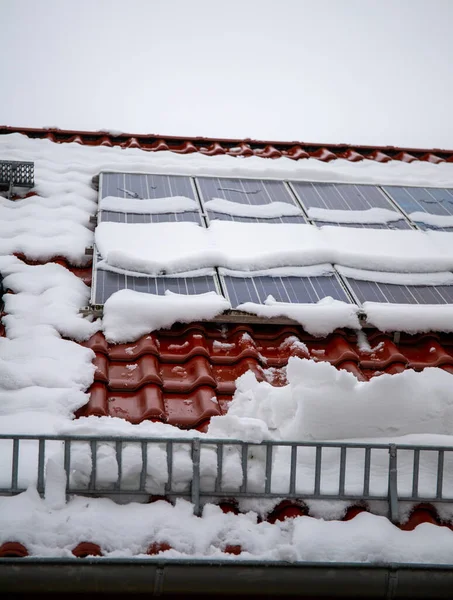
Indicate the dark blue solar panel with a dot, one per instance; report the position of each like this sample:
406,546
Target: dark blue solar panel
108,283
253,192
435,201
283,289
343,196
136,186
370,291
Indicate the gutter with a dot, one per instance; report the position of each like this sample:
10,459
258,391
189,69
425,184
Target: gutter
160,577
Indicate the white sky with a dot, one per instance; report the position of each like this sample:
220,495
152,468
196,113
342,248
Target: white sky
356,71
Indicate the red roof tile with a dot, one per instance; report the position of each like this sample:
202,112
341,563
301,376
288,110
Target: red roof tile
186,375
235,147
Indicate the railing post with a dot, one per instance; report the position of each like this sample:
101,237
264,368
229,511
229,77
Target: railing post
41,465
195,488
67,465
393,484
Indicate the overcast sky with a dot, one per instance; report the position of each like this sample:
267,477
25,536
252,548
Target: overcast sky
357,71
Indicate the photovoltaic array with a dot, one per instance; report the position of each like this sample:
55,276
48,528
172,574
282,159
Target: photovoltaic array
271,201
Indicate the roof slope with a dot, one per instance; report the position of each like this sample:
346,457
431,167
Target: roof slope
57,364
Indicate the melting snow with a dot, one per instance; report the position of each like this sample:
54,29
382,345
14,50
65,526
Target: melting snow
157,248
320,318
172,204
218,346
371,215
433,220
262,211
410,318
129,314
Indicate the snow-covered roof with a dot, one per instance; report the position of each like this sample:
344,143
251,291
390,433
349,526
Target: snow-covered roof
140,380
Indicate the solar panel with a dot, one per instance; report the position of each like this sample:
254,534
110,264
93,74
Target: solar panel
371,291
249,192
132,186
107,283
284,289
342,196
434,201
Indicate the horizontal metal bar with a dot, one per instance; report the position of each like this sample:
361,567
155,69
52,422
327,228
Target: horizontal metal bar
210,441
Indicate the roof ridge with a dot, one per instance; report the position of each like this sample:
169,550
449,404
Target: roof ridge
211,146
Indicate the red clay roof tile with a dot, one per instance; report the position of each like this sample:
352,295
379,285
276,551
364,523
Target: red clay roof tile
187,374
235,147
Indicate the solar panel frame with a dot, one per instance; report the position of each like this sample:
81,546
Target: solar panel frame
332,196
405,197
290,289
146,185
261,193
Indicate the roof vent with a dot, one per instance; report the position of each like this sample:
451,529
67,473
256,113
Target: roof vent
16,174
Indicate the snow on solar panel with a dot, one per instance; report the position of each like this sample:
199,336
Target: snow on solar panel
433,201
132,186
118,217
249,192
372,291
107,283
346,197
283,288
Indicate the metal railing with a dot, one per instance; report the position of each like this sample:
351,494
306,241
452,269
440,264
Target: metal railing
203,469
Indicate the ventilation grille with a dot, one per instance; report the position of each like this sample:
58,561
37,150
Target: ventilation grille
16,173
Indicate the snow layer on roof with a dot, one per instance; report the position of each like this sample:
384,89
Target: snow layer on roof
173,204
321,402
262,211
44,377
47,299
318,319
128,531
129,314
371,215
103,266
410,318
63,174
53,175
157,248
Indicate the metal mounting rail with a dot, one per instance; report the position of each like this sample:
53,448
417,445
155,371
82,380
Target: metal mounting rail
203,470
